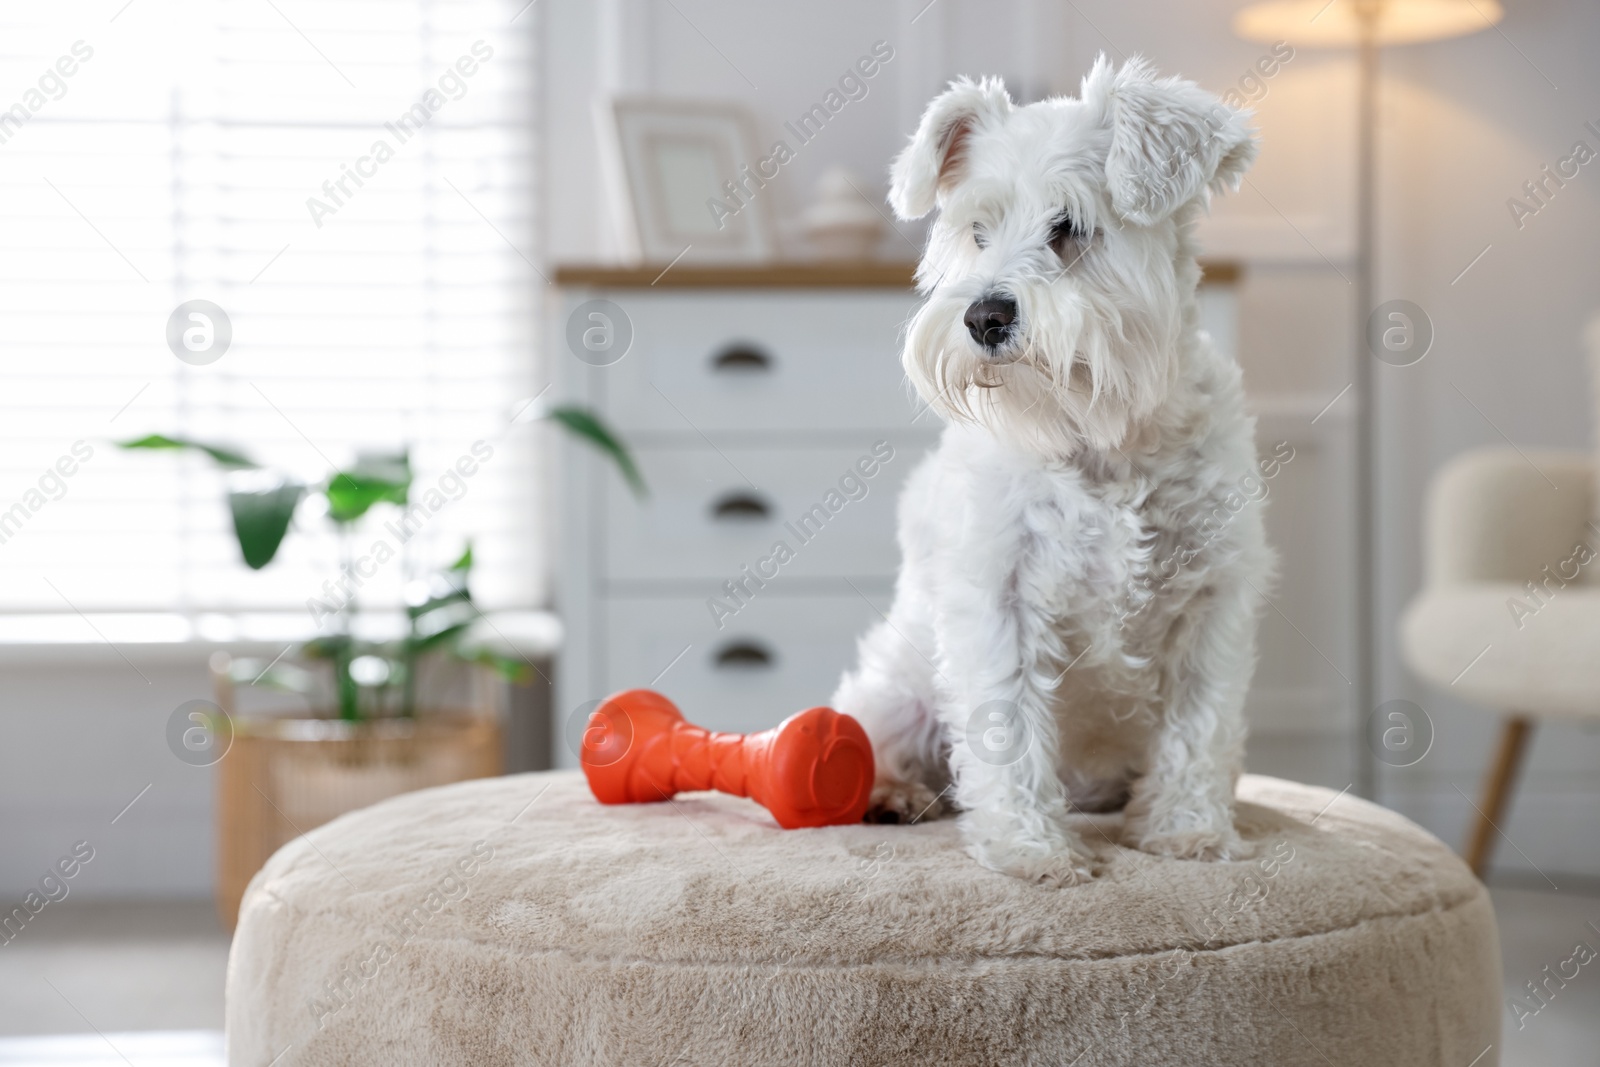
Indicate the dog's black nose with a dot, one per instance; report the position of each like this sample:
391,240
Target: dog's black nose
989,320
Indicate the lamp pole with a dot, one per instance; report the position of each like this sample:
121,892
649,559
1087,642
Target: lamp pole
1365,24
1367,637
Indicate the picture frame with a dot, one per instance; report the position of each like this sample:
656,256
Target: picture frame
667,163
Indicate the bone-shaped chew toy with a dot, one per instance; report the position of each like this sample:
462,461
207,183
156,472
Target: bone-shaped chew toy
813,769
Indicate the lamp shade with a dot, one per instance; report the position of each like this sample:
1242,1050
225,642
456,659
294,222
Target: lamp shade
1339,23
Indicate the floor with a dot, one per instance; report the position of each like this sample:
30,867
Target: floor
127,967
141,984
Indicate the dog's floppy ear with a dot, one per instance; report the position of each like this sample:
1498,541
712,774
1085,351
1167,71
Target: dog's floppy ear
937,150
1171,140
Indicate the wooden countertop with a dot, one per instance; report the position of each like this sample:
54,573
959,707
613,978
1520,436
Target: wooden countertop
869,274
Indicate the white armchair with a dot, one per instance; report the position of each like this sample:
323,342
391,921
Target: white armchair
1510,615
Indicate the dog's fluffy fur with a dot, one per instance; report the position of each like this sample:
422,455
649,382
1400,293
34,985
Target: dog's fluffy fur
1074,622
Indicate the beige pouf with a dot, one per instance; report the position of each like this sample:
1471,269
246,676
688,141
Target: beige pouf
516,921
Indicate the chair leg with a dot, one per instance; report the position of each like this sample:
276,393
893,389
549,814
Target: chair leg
1497,789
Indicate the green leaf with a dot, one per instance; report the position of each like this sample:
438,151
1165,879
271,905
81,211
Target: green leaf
465,562
375,478
224,456
587,426
427,642
443,588
345,686
507,667
449,614
262,509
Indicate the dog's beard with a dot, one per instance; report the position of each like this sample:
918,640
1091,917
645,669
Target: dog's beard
1084,372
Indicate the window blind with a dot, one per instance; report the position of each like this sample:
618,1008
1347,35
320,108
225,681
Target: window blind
350,181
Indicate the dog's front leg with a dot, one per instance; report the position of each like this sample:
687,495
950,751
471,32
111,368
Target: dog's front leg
1183,804
998,657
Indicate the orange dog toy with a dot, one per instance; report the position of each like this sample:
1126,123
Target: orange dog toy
812,769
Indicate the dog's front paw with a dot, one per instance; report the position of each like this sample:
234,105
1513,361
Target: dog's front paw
1192,844
1049,865
894,801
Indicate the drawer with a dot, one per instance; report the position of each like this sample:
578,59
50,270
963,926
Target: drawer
729,362
703,521
779,655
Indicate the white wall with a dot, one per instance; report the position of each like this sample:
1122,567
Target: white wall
84,734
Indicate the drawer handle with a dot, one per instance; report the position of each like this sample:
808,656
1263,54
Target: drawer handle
743,656
741,358
741,507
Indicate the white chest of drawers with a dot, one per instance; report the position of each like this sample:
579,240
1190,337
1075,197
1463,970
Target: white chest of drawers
757,401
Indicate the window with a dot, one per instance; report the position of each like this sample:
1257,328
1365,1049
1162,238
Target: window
351,183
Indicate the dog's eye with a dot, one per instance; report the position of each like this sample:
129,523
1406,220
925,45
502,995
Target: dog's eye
978,236
1066,235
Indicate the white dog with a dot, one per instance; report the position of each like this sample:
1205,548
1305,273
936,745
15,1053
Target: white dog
1074,623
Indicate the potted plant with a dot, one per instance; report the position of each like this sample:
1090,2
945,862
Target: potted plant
389,713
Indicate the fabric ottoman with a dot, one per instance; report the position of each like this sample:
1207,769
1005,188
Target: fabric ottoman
516,921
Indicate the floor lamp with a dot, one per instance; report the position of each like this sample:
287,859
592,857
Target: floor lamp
1367,25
